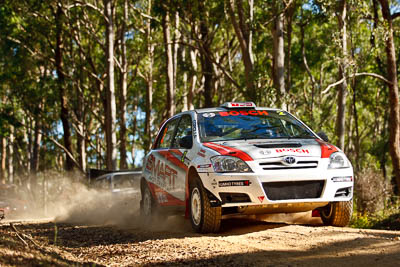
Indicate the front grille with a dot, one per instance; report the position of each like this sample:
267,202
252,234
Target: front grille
234,197
278,145
293,190
278,165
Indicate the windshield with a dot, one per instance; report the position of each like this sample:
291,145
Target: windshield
250,124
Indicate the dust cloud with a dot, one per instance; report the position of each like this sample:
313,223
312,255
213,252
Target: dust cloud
71,200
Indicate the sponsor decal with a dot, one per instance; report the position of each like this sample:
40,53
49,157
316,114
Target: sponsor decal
183,156
261,198
202,151
292,150
203,166
194,128
265,152
162,174
161,197
208,115
214,183
201,155
243,112
234,183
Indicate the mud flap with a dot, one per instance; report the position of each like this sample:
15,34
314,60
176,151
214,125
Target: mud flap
315,213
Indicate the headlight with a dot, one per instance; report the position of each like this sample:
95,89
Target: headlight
229,164
338,160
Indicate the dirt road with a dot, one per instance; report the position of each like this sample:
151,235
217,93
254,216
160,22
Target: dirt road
242,242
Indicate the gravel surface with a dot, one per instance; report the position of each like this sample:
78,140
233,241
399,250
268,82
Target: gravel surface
242,242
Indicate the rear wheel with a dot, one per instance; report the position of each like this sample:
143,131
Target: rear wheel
147,204
337,213
204,218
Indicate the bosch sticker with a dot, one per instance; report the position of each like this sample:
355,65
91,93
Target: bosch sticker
243,113
234,183
293,150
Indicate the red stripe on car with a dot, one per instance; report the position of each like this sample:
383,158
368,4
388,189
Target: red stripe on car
163,197
174,160
326,149
229,151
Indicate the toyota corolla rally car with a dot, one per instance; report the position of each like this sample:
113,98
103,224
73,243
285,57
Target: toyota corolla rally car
243,159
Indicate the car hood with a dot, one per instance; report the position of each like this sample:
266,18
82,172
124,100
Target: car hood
261,149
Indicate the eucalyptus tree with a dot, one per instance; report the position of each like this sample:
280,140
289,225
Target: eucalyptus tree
394,109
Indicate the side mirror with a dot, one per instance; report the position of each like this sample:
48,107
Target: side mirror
323,136
186,142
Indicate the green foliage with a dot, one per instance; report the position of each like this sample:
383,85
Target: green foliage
30,96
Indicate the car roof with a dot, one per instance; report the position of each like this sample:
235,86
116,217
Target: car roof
204,110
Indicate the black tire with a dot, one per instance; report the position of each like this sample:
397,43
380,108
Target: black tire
147,203
204,218
337,213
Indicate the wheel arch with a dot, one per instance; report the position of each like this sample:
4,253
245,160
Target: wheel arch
191,176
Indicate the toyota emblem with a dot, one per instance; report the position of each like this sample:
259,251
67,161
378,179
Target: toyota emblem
289,160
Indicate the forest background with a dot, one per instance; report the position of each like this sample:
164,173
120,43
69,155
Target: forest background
86,84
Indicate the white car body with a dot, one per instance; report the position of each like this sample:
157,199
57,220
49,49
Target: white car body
287,174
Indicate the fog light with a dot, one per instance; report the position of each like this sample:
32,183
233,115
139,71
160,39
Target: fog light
342,179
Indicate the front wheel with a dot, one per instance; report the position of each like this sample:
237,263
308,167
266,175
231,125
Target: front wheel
337,213
204,218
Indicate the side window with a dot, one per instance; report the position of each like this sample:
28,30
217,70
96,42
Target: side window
122,181
184,129
167,134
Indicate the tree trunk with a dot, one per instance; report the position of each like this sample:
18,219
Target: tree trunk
169,64
289,21
64,112
205,41
149,87
11,156
279,56
193,80
394,110
243,32
123,93
342,88
3,171
110,116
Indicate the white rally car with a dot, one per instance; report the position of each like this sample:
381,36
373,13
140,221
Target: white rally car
243,159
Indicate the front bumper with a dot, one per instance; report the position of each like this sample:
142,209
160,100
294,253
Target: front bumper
274,191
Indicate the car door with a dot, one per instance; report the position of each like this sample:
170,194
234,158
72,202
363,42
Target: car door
178,153
160,171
